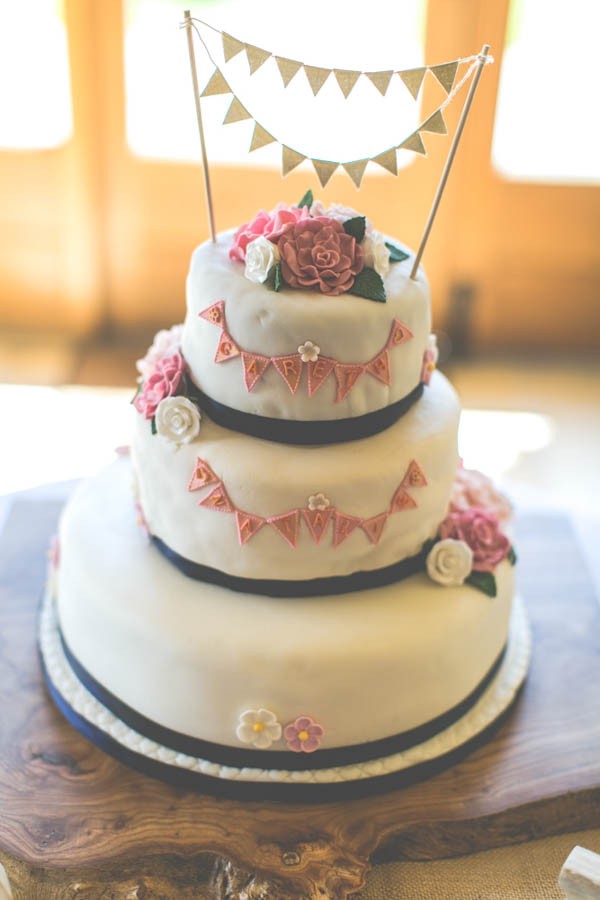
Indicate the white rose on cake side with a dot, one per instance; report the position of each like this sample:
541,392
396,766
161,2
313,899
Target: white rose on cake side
376,254
261,255
449,562
178,419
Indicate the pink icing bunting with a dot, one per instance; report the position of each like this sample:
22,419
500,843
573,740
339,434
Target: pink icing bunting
414,476
317,521
373,527
226,348
318,372
247,525
346,377
215,314
254,368
290,369
202,476
343,526
287,526
402,501
218,499
399,334
380,368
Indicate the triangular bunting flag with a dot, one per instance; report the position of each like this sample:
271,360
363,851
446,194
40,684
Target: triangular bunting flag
373,528
399,334
218,500
317,521
356,170
254,368
381,80
318,372
290,159
256,57
290,369
402,501
226,348
414,476
380,368
413,79
324,169
445,74
343,526
231,46
215,314
346,80
346,377
260,137
287,68
287,526
236,113
247,525
435,124
316,77
388,160
216,85
202,476
415,143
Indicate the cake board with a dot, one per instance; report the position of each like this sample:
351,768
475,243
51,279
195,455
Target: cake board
75,820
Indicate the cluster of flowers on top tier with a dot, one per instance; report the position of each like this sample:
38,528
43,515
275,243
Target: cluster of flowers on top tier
334,251
470,543
260,728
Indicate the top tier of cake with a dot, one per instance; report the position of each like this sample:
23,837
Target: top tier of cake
301,354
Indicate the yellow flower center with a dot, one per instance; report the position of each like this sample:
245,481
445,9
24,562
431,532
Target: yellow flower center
303,735
258,726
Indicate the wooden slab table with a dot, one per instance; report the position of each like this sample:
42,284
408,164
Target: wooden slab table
75,823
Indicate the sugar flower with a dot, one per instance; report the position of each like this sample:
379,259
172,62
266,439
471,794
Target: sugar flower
449,562
309,352
474,489
163,381
479,529
318,501
178,419
376,254
268,224
304,735
261,256
258,727
318,253
165,343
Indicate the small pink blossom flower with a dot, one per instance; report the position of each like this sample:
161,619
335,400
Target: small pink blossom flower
163,381
304,735
268,224
479,529
54,553
141,518
474,489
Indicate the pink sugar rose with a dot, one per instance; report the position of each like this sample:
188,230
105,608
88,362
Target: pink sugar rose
479,530
270,225
163,381
318,253
474,489
304,735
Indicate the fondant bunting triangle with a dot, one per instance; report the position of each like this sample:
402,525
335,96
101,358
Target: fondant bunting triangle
231,46
413,79
260,137
373,528
202,476
381,80
287,68
218,499
318,372
247,525
236,113
380,368
254,368
317,521
290,369
414,476
346,377
445,74
287,526
402,501
399,334
216,85
316,77
324,170
435,124
387,160
290,159
215,314
256,57
226,348
343,526
356,170
414,142
346,80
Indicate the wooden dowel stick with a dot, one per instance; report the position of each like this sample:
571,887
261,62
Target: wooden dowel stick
207,190
452,153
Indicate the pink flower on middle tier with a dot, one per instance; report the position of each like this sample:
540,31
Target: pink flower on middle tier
318,253
304,735
479,530
474,489
163,381
270,224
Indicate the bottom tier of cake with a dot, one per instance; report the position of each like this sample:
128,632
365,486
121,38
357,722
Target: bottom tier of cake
193,681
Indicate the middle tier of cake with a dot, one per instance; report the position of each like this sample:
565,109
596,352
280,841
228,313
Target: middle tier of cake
256,509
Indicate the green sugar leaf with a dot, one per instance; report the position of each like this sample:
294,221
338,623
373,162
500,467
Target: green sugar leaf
368,284
307,200
512,556
278,278
153,425
356,227
483,581
396,253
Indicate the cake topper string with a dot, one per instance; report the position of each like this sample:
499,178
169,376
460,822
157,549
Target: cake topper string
444,73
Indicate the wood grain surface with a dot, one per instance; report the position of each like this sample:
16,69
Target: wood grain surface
75,823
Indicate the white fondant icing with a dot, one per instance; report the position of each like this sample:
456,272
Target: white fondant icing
268,479
192,656
347,328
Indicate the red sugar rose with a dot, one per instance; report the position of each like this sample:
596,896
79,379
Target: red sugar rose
479,530
318,253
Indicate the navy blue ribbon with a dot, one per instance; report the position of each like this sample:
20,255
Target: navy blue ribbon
301,432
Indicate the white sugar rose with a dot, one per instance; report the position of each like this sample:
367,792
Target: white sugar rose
261,255
376,254
258,727
177,419
449,562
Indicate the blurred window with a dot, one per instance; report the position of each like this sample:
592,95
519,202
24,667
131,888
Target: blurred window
547,127
35,100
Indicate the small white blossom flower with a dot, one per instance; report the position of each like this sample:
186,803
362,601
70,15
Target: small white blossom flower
433,346
166,342
261,255
449,562
376,254
178,419
258,727
309,352
318,501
